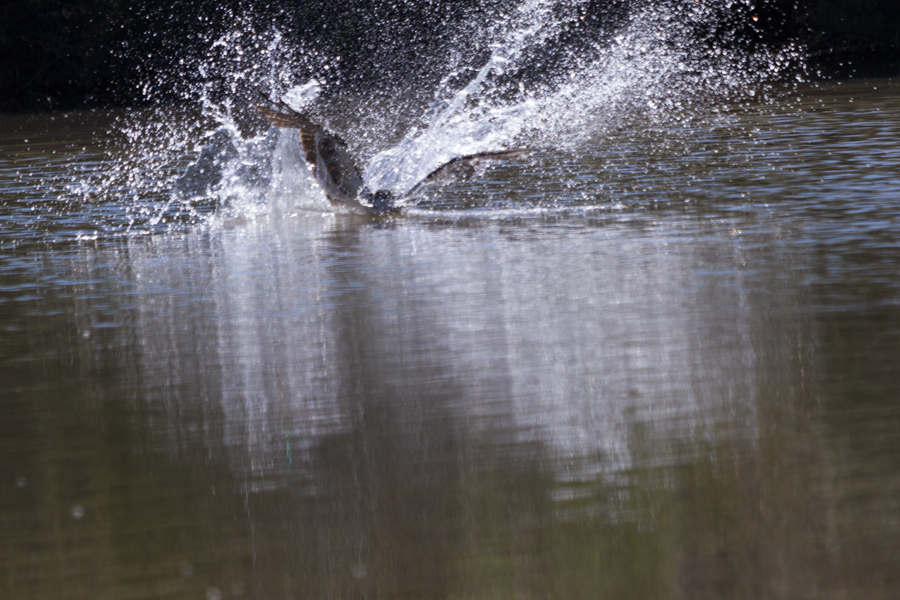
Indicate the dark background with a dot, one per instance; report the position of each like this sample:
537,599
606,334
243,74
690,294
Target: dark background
80,53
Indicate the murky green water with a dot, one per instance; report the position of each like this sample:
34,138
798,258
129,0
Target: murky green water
662,366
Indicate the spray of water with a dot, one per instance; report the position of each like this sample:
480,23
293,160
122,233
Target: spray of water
654,69
525,88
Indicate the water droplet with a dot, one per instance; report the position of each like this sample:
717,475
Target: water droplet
77,511
213,593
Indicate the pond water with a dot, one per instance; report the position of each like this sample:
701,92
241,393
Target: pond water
662,363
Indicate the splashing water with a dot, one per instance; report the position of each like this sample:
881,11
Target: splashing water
651,70
179,168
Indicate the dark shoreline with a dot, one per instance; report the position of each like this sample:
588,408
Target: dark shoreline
113,53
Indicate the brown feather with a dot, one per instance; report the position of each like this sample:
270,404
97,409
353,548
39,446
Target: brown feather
325,153
464,168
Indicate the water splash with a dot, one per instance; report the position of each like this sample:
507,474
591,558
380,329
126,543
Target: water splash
527,88
654,70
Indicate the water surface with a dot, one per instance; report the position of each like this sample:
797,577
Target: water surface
662,363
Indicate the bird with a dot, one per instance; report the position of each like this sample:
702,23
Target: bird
337,174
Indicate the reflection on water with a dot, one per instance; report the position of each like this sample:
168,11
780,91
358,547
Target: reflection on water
644,372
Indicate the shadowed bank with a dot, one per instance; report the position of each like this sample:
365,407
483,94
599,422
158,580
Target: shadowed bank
67,54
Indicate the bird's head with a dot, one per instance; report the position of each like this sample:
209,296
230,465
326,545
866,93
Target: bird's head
382,200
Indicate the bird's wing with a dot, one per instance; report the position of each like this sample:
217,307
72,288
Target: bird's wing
324,152
464,168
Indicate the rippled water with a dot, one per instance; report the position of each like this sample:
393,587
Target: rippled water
659,363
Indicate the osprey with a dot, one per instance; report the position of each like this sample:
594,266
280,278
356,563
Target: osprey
340,178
